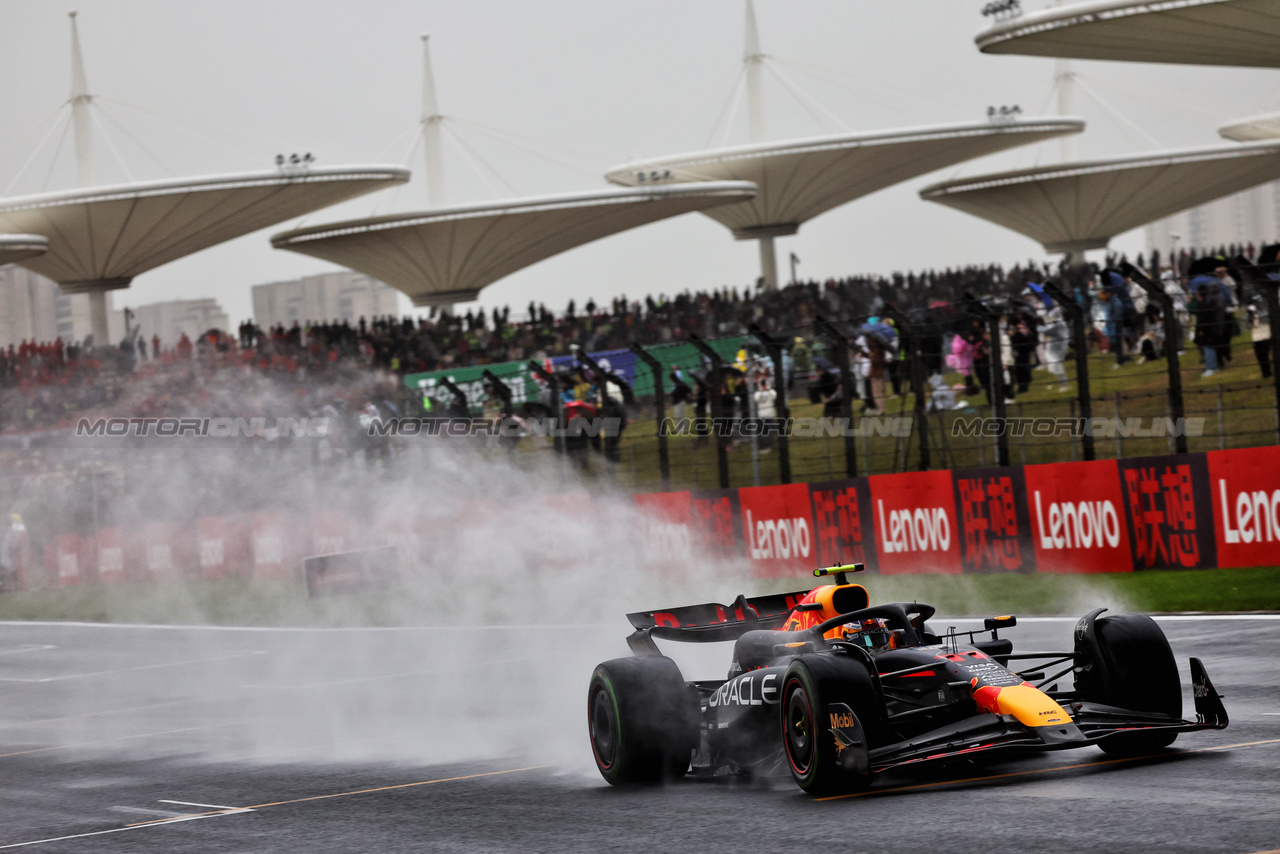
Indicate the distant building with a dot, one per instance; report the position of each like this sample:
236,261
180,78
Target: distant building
344,295
33,308
1251,216
170,319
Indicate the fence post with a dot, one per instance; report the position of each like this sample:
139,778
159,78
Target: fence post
1222,424
997,375
783,411
1172,338
1072,409
910,346
557,407
1119,432
1079,343
660,411
841,346
716,384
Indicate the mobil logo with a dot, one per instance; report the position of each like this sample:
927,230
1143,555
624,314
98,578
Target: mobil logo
777,524
915,522
1077,517
1245,486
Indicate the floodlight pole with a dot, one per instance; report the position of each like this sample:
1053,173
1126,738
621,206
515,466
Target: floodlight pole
660,410
553,383
910,344
841,346
716,382
1172,338
774,348
996,379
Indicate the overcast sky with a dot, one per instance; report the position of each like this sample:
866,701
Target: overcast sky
226,85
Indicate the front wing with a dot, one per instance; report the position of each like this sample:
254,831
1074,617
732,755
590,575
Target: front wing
1092,723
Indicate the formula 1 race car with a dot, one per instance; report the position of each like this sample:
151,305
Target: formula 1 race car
838,691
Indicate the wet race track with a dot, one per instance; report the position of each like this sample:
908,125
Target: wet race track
118,738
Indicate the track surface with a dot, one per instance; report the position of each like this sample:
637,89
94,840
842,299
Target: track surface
185,739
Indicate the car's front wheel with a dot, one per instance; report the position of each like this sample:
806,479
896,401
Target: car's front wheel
827,705
642,719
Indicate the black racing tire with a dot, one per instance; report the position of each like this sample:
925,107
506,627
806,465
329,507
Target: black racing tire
1135,670
643,720
819,763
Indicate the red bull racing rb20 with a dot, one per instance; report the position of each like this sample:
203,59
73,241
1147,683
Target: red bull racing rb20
834,691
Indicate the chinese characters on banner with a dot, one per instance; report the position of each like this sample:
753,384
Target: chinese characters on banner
995,533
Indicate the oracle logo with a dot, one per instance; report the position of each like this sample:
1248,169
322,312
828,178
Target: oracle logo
778,538
924,529
1082,525
1257,515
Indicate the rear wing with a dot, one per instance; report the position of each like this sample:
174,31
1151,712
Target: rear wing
715,622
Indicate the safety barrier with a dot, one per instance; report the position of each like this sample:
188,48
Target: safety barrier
1189,511
1192,511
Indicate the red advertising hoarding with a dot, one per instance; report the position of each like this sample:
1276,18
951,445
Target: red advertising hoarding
1078,517
112,556
777,526
915,523
222,546
842,529
666,526
1244,486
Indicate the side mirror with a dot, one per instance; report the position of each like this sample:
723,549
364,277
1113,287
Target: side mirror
992,624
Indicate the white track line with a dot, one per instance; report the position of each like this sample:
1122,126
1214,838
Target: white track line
206,806
227,657
29,647
129,827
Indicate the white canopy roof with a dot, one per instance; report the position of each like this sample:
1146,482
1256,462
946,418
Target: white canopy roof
447,255
801,178
1078,206
19,247
101,237
1192,32
1253,128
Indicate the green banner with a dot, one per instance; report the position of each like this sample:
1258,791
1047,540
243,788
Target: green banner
524,387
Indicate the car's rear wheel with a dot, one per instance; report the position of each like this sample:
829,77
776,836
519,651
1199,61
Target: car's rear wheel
642,719
829,719
1132,667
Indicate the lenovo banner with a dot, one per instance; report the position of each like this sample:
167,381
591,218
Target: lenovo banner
666,526
994,529
1168,510
1245,489
777,524
915,523
842,523
1077,517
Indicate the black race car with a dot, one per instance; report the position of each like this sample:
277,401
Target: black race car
838,692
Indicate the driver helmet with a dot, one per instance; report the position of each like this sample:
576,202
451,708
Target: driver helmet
871,634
